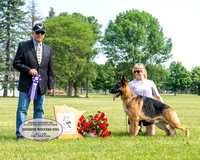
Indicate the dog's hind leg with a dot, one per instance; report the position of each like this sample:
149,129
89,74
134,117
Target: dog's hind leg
172,118
172,131
180,126
162,125
184,129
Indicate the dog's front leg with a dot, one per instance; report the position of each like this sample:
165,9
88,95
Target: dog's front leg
134,126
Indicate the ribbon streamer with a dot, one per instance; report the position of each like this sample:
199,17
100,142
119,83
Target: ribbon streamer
32,94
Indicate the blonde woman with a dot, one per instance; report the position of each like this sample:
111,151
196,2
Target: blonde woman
144,87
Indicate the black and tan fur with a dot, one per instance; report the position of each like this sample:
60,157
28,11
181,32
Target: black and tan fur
144,108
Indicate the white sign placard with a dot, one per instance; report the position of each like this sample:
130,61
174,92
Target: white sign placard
67,120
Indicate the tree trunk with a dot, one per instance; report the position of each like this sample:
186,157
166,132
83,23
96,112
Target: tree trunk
81,90
174,93
5,93
13,75
75,90
87,79
86,87
70,89
198,92
13,82
5,86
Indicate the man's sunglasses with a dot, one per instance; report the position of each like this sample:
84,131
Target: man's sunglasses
40,32
138,71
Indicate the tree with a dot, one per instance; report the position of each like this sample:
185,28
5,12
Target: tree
71,43
90,55
106,77
51,14
158,74
33,15
196,80
12,20
90,74
134,37
179,78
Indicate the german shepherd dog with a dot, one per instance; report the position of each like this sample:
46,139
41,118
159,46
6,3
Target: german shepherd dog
143,108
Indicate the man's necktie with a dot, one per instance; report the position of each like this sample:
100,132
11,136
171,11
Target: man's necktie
39,54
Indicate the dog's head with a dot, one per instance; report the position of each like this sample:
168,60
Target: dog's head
118,89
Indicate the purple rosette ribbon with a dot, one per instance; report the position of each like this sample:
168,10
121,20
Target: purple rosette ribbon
32,94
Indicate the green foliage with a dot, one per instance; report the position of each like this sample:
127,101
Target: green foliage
196,80
105,78
51,13
72,41
179,78
117,146
95,30
67,37
158,74
91,20
134,37
12,26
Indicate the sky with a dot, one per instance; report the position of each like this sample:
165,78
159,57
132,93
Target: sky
180,20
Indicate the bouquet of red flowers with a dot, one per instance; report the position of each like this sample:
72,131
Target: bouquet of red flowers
97,125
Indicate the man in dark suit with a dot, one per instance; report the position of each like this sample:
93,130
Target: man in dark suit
33,57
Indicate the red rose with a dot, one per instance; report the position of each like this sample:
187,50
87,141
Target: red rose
91,123
80,132
81,118
86,125
79,123
102,114
102,126
97,118
105,134
97,124
92,131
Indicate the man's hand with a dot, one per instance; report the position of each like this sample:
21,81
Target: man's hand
50,91
33,72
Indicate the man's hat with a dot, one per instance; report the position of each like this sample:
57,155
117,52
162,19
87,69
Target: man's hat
38,27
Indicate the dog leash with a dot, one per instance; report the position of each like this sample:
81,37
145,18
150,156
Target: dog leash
126,122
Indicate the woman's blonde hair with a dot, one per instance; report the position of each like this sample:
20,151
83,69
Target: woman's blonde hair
140,66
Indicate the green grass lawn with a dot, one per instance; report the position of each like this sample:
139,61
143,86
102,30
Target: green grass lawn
118,146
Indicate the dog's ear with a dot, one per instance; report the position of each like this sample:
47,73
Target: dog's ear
120,78
124,80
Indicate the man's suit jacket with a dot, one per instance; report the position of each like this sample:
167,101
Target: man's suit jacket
26,59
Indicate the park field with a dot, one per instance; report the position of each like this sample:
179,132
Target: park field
117,146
